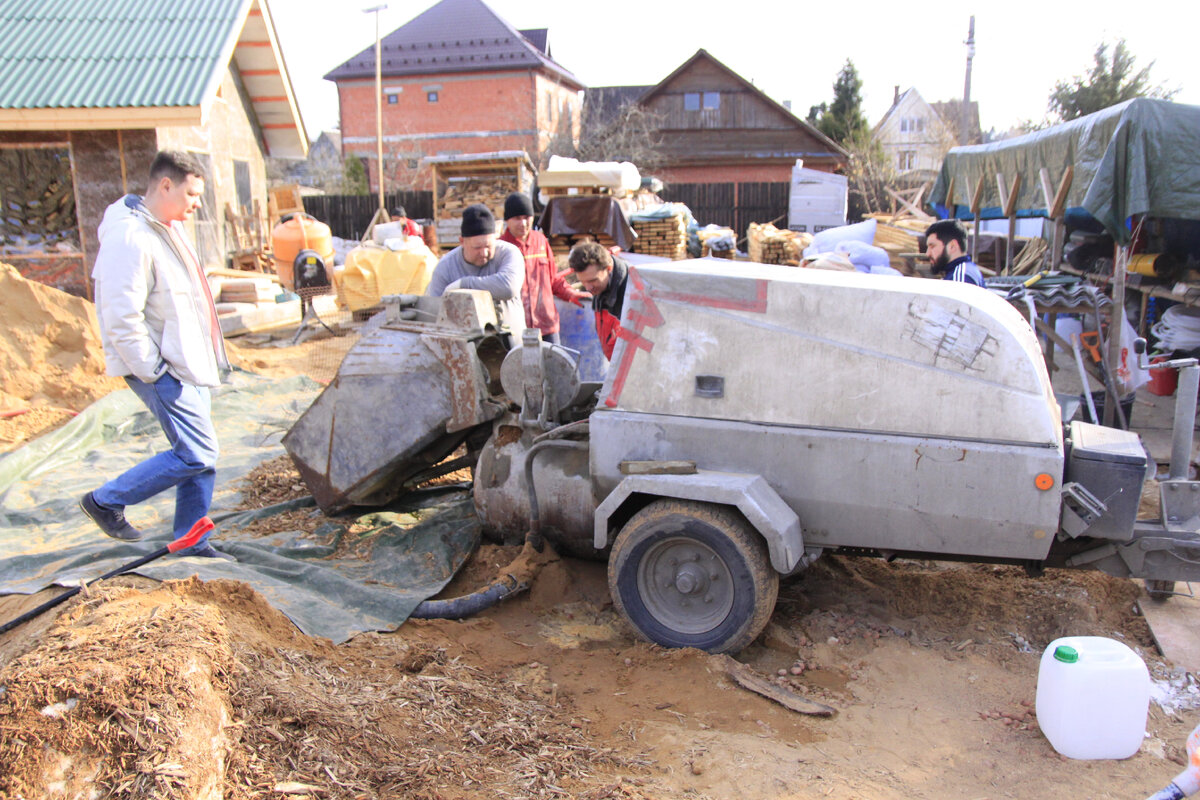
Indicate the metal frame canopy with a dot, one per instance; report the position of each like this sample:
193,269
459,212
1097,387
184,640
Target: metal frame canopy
1137,157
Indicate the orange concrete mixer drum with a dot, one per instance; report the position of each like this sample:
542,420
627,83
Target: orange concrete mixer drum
296,232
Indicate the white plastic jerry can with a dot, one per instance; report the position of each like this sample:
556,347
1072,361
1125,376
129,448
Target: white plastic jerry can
1093,695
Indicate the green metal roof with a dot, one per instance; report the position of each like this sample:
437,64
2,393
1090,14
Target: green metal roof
114,53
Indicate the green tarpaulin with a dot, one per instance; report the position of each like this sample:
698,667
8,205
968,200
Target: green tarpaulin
402,555
1139,157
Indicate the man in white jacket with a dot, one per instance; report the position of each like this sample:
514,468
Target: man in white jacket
160,332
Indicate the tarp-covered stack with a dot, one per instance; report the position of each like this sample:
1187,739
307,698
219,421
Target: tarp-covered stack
770,245
661,233
717,242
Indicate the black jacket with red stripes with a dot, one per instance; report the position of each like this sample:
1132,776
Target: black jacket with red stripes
608,304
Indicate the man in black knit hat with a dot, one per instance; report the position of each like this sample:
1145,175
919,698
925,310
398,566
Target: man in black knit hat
482,262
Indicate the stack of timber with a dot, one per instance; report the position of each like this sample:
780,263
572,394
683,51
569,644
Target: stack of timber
665,237
898,235
770,245
564,242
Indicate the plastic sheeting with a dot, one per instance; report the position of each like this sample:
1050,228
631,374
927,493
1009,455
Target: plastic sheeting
1138,157
591,214
409,551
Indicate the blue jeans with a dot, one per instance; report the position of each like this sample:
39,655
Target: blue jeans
185,414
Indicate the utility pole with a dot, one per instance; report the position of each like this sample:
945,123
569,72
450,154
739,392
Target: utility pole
964,120
381,214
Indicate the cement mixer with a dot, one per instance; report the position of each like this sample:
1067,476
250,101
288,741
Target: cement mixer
753,418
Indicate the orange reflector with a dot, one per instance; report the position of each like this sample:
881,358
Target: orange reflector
1044,481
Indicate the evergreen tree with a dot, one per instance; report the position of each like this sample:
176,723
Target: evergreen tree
1111,80
354,178
843,119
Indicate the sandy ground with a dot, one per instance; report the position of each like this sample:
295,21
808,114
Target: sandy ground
931,668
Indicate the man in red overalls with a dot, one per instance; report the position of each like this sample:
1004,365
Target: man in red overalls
604,275
542,281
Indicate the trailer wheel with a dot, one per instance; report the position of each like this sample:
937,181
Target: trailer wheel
1160,590
689,574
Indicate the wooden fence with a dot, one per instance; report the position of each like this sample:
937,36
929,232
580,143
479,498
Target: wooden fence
348,215
734,205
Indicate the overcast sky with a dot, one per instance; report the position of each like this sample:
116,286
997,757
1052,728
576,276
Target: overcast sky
794,50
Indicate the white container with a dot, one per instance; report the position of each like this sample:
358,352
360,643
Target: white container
1093,694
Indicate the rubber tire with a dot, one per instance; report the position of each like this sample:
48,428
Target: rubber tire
755,583
1160,591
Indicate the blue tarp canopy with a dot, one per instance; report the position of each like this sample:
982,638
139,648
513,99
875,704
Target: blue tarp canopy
1138,157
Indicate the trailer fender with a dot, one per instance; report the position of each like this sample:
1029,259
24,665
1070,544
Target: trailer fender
750,494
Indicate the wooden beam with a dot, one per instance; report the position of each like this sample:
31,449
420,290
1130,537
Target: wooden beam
908,206
1047,191
1060,197
1009,199
976,204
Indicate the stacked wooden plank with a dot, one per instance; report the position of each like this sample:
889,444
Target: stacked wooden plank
665,237
770,245
563,243
899,236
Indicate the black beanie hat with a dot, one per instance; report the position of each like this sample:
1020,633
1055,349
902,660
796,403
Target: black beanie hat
478,220
517,204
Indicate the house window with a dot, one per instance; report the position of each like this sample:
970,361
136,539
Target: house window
431,97
712,101
691,101
908,160
393,99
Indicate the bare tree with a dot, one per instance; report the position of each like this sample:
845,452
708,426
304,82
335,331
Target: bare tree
633,136
869,174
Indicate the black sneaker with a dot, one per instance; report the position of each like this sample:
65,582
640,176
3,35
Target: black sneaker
110,520
206,550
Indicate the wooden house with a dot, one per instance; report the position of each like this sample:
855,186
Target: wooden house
89,92
716,126
916,134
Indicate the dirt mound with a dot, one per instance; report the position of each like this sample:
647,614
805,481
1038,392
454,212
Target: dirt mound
50,351
204,690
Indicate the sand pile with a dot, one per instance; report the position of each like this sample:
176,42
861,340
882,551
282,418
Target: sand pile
50,352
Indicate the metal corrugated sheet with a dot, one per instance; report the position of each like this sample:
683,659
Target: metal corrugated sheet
111,54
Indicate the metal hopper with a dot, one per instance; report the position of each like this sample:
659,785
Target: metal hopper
406,395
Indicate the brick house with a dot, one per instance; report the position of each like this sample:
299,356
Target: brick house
716,126
455,79
80,121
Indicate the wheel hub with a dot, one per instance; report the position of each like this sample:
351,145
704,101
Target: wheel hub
685,585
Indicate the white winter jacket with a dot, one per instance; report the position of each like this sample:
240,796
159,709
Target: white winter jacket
154,315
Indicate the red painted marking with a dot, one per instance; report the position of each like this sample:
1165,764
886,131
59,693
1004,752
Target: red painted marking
258,73
644,313
758,305
279,99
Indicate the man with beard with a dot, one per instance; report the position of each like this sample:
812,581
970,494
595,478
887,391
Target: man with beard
946,245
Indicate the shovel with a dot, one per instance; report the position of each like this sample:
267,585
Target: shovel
202,526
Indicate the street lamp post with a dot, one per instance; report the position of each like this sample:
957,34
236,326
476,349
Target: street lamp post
378,104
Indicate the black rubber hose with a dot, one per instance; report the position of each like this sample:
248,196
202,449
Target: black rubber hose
468,604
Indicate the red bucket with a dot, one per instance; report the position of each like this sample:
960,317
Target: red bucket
1163,382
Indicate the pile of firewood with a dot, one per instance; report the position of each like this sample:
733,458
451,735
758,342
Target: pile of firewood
666,237
767,244
489,191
